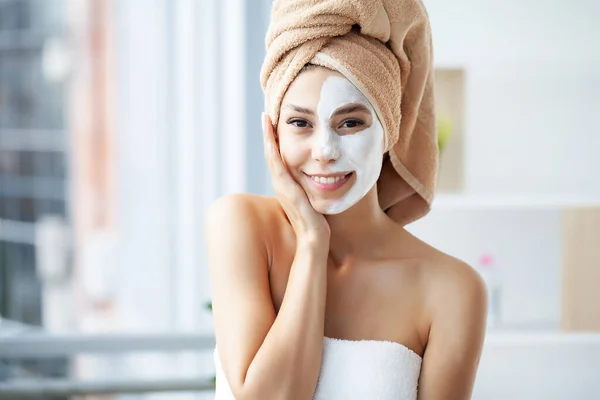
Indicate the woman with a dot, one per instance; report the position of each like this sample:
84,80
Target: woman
320,292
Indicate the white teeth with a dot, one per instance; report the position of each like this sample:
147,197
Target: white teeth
327,180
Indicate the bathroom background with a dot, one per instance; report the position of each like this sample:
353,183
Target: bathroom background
121,121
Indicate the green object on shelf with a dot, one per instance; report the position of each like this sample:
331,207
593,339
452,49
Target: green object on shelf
444,132
209,305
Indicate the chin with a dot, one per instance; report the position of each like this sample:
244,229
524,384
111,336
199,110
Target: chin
329,207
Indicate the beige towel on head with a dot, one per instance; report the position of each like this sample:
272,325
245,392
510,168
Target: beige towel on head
384,48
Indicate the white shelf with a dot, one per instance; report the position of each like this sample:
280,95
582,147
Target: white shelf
537,338
466,201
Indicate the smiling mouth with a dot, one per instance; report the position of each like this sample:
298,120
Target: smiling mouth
328,179
329,182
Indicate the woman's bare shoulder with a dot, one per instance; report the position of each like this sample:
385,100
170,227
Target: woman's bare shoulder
455,288
247,213
251,205
453,278
447,279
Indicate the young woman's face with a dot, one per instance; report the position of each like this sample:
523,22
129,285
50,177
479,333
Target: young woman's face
330,139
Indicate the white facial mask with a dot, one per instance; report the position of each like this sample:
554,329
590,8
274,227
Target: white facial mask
360,152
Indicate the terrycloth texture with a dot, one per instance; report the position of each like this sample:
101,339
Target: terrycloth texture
365,369
384,48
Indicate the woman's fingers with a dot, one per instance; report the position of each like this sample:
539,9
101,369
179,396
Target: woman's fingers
267,135
274,161
269,141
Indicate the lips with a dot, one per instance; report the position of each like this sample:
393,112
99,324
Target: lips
329,182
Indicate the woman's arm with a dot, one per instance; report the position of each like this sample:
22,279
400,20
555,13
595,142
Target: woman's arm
458,301
264,356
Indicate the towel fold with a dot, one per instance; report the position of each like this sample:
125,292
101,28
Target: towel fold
384,48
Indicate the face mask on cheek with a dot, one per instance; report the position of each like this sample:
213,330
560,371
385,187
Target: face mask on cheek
360,152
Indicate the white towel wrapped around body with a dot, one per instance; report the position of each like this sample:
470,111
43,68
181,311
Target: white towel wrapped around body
356,370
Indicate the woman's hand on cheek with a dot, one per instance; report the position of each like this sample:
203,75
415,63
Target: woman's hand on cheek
307,223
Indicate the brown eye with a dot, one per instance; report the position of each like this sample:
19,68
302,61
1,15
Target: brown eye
298,123
352,123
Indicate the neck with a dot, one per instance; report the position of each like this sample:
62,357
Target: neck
357,231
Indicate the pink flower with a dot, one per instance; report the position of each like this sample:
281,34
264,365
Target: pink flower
486,260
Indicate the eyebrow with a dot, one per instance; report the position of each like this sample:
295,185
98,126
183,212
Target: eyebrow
299,109
350,109
343,110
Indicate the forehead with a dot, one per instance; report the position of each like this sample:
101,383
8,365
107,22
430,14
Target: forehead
306,89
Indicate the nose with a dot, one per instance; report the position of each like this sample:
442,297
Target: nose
326,147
